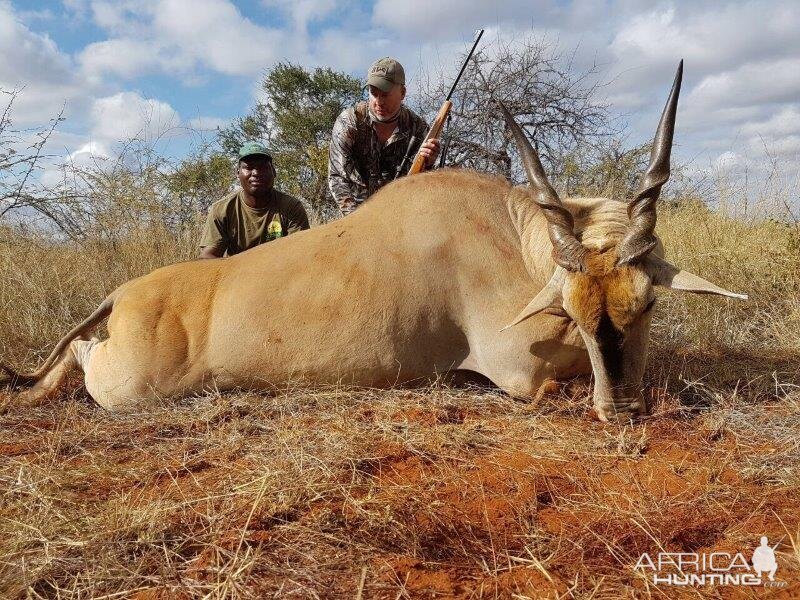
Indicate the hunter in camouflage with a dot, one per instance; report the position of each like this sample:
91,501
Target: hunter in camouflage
371,140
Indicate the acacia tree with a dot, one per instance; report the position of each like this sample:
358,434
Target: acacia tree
137,189
609,169
556,105
21,152
295,120
104,197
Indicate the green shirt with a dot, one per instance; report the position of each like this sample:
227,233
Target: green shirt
234,227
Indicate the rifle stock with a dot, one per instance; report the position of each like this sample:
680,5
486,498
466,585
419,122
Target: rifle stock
434,132
438,123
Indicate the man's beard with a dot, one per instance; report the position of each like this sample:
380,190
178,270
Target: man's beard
391,119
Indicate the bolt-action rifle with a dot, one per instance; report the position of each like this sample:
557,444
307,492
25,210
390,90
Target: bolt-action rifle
436,128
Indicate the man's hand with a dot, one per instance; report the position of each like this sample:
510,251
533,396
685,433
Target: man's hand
430,150
211,252
347,205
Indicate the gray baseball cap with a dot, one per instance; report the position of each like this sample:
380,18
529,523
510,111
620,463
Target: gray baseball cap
385,73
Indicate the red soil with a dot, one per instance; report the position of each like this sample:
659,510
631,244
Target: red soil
540,521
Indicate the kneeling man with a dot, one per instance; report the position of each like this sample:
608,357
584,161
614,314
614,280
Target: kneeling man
256,213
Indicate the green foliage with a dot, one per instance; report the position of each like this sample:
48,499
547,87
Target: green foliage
295,120
200,179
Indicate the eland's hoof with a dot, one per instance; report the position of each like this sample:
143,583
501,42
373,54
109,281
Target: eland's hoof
621,412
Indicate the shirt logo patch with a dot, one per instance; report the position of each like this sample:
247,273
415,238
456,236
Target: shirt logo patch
274,229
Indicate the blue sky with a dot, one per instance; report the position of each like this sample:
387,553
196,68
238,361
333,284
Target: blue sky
172,63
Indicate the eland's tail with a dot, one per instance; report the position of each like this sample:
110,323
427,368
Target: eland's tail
13,380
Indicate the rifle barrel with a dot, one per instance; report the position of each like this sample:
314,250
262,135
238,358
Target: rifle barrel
464,66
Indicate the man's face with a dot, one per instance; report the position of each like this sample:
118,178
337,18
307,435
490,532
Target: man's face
256,174
385,104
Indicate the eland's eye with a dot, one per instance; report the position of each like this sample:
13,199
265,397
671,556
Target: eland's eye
649,305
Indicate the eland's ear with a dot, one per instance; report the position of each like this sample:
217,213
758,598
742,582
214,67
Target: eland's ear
665,274
549,295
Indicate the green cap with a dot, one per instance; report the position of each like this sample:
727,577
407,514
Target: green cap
385,74
253,149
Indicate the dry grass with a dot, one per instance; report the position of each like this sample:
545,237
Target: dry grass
430,493
426,493
47,287
757,257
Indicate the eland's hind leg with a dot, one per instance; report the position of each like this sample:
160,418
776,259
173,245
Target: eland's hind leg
112,381
50,384
127,369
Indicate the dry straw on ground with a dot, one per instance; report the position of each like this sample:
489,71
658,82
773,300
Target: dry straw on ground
428,493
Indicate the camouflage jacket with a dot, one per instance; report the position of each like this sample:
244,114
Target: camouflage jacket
358,165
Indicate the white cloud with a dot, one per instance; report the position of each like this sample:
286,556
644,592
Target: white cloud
33,61
777,135
711,37
124,17
729,161
121,117
738,55
181,36
625,100
129,115
786,121
422,19
76,7
784,146
347,50
215,33
88,154
123,57
91,149
639,35
302,12
753,83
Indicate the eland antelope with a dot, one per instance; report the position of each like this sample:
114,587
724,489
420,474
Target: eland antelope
426,278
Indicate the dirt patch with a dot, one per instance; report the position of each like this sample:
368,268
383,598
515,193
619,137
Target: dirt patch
16,449
438,496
